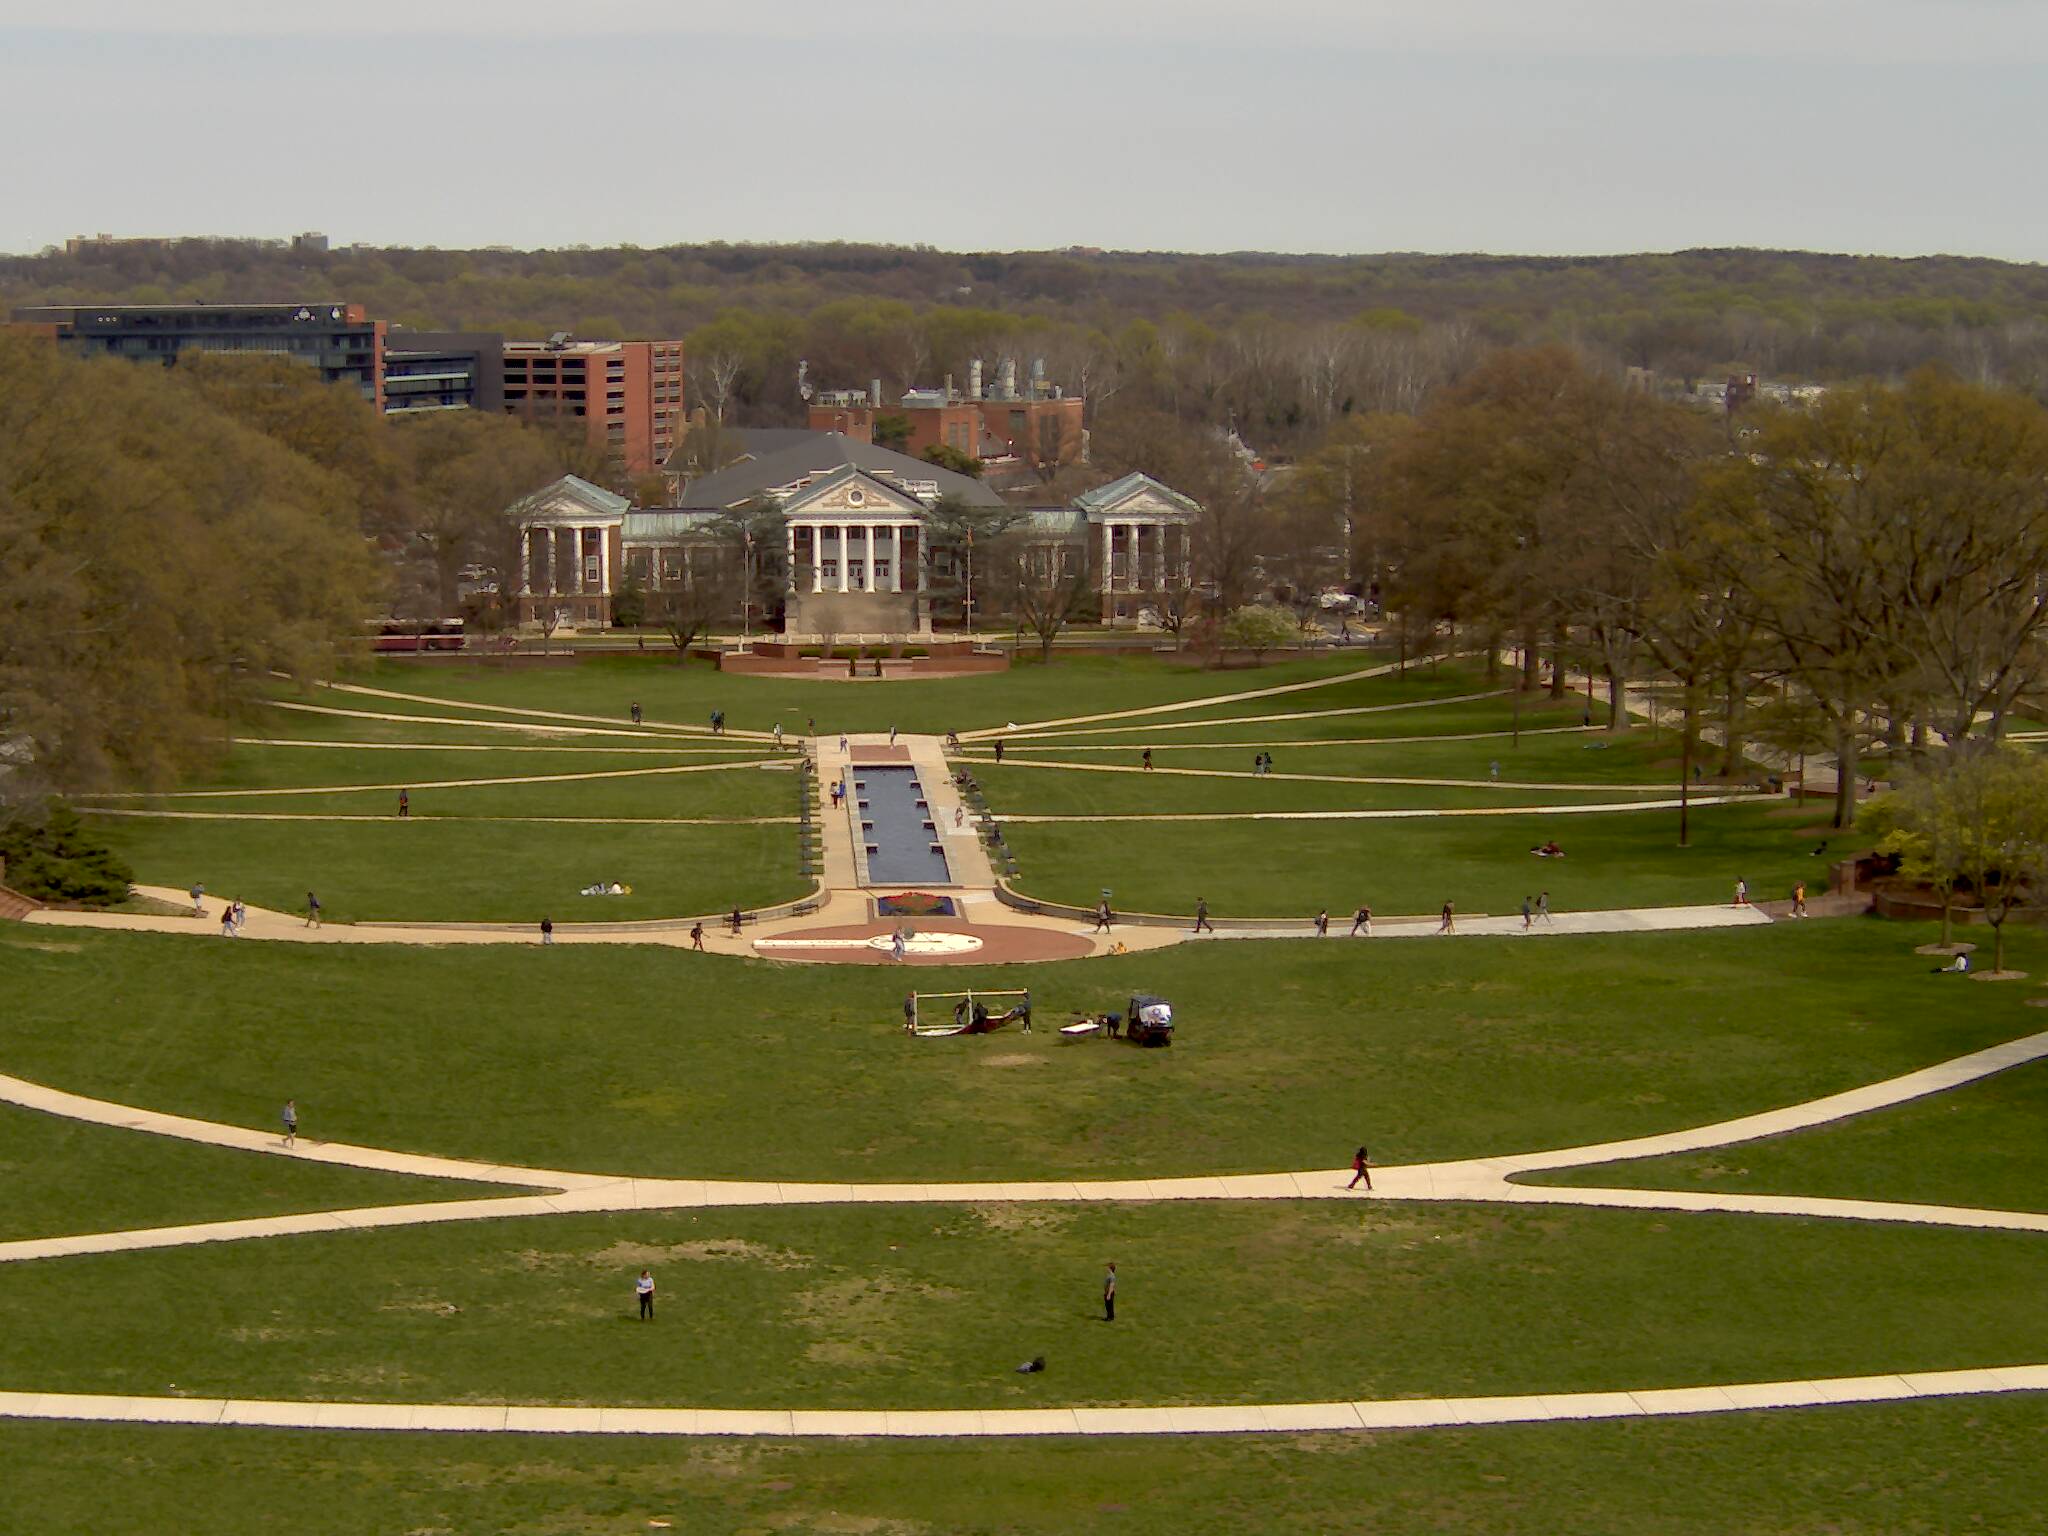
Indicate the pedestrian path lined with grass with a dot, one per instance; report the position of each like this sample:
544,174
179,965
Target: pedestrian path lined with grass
1480,1180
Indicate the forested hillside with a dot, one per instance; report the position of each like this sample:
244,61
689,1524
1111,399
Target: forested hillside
1280,345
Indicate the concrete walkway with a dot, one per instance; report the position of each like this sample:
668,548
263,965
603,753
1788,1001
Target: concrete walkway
962,1423
1472,1179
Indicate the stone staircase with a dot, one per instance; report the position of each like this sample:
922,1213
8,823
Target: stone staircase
14,906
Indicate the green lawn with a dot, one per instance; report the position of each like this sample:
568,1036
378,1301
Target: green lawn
260,767
1912,1469
609,685
638,1059
1413,865
482,871
1980,1145
931,1307
63,1176
1574,757
1019,790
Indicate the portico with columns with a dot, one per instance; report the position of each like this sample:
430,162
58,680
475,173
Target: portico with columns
570,552
1143,533
857,557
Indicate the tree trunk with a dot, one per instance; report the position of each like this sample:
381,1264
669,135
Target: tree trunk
1557,639
1530,659
1731,732
1845,780
1685,739
1948,905
1617,688
1997,935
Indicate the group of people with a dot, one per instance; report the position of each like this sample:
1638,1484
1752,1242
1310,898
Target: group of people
1262,764
1361,922
232,917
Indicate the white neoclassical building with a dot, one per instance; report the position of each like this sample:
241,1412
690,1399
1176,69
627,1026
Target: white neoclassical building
859,549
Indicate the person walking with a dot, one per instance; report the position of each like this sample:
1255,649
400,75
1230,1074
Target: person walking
811,726
1447,925
1102,915
1742,893
636,711
404,804
291,1122
910,1013
1202,915
1799,899
1109,1294
843,748
227,921
1493,770
644,1289
1361,920
547,930
1323,923
1361,1168
897,945
198,895
1528,913
892,735
999,749
735,922
697,935
1146,759
312,910
778,735
1543,905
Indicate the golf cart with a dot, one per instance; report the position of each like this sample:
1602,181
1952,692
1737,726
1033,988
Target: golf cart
1149,1020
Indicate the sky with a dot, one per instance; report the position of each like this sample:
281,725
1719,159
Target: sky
1554,127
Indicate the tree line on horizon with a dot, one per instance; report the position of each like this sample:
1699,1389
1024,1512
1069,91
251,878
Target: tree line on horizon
1278,347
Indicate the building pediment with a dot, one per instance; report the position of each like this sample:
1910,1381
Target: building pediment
852,495
570,500
1136,495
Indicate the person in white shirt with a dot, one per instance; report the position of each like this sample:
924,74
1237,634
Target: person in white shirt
644,1289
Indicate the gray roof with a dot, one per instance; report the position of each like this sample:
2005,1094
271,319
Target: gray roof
1054,521
655,524
746,443
814,455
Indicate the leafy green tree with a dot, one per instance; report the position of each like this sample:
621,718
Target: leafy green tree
1258,628
47,853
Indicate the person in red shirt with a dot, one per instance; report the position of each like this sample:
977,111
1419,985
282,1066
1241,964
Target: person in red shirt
1361,1168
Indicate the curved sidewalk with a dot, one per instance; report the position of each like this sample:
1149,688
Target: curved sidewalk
876,1423
1484,1179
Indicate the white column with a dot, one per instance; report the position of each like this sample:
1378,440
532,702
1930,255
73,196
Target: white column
817,558
922,559
790,582
604,560
525,560
1159,556
845,558
1108,554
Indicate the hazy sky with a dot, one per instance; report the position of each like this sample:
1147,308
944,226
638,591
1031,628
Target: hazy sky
1553,126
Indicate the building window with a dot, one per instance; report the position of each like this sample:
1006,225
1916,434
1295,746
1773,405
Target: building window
828,571
590,571
881,574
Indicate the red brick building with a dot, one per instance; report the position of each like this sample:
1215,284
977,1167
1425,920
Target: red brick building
629,394
1038,425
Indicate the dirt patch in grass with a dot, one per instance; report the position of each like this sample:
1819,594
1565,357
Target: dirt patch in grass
860,1317
1013,1219
1012,1059
48,946
622,1255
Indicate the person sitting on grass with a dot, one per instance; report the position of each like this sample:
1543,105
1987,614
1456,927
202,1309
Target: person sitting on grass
1960,966
1548,850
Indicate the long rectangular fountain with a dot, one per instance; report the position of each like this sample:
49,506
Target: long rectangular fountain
896,840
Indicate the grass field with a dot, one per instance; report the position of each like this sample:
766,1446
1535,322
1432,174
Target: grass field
649,1060
1980,1145
63,1176
933,1306
633,1059
1921,1469
481,871
1414,865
